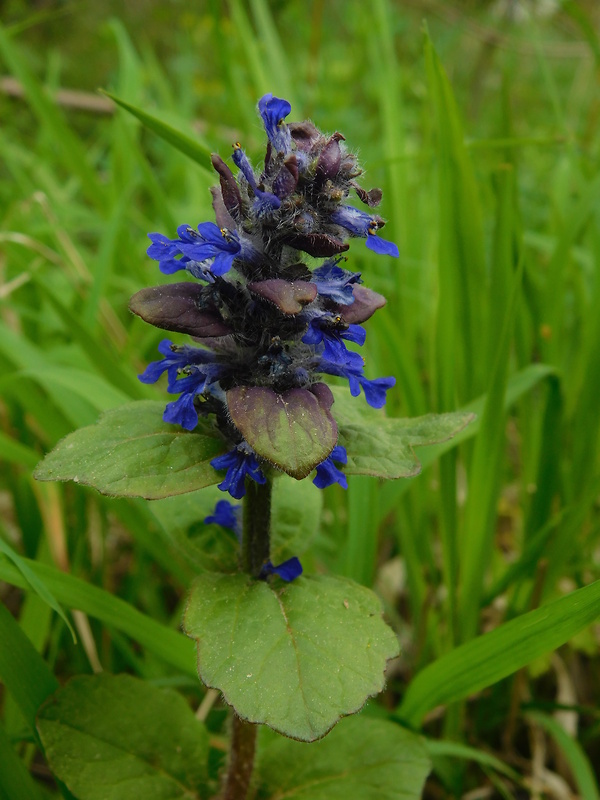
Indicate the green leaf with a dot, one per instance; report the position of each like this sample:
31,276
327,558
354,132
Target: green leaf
296,657
206,547
131,452
115,738
296,511
362,759
293,430
296,514
189,147
383,447
489,658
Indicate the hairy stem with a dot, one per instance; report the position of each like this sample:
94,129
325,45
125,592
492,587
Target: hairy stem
256,538
241,760
256,544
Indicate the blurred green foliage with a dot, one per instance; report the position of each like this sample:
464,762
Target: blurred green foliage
485,140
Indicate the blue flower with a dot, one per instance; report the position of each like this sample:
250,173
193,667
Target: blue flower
336,283
209,250
265,203
164,251
359,223
352,370
227,515
177,357
240,159
273,111
238,464
287,570
183,410
328,330
328,473
375,391
267,319
184,360
382,247
211,242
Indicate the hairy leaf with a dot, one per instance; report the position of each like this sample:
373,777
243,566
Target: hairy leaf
293,430
383,447
131,452
113,737
362,759
296,658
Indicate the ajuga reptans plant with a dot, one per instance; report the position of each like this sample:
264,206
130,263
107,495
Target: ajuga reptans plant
272,303
272,311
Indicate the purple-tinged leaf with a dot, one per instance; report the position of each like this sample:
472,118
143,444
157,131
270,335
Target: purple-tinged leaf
294,430
174,307
366,302
223,217
319,245
286,181
229,189
330,158
304,134
289,297
372,198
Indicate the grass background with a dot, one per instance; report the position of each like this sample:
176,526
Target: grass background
480,122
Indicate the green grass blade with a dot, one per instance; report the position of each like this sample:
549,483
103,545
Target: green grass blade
578,216
169,645
573,752
449,749
249,43
189,147
461,259
279,69
14,452
107,257
23,671
68,147
37,585
105,359
480,512
387,83
587,27
360,549
518,385
489,658
15,781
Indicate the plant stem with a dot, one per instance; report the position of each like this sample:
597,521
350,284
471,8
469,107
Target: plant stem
256,544
256,539
241,763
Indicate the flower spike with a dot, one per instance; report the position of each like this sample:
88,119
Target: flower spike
271,326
